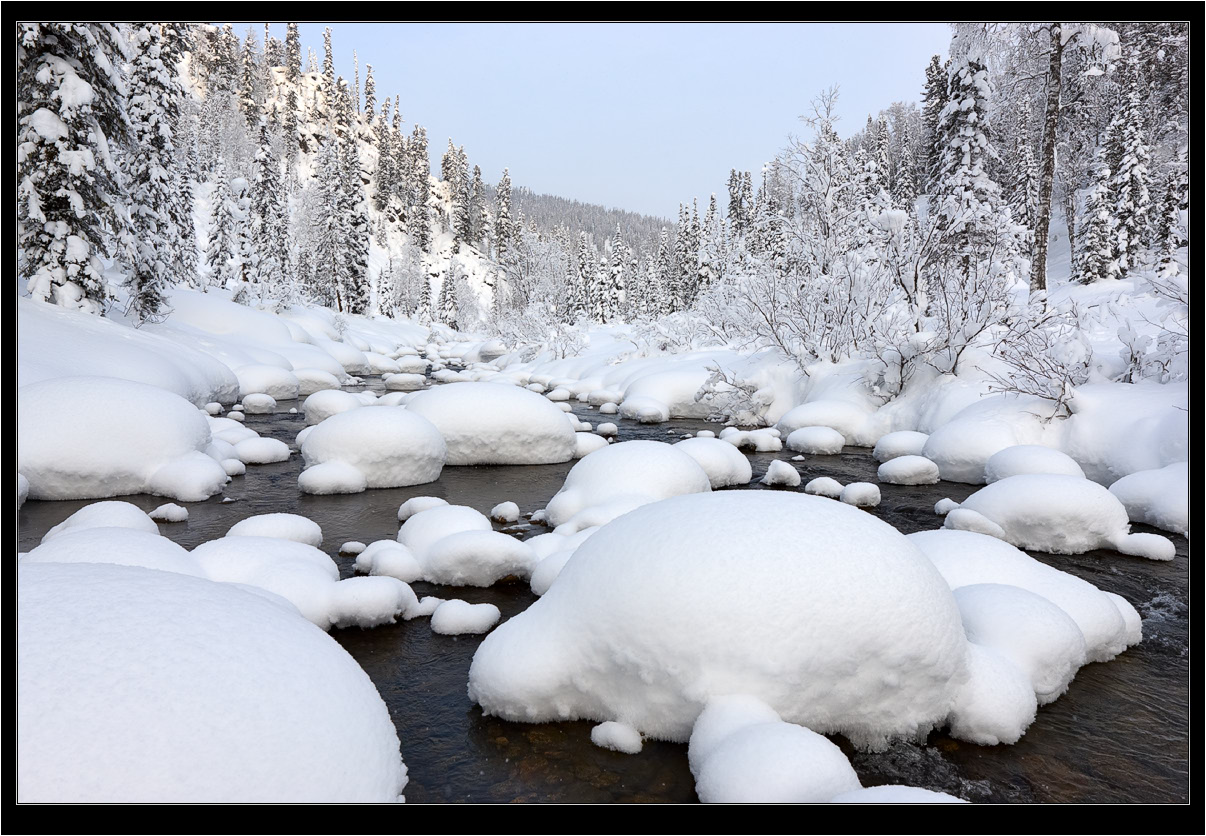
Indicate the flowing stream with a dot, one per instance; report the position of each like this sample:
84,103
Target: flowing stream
1120,734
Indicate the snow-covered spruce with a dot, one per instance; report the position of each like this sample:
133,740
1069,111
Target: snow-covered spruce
138,686
627,631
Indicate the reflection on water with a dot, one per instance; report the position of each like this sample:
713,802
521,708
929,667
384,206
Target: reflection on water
1119,734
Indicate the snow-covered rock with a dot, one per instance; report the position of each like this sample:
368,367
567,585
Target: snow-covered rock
614,480
781,473
416,504
112,513
817,441
1056,514
824,486
136,686
493,423
391,446
725,464
901,443
861,494
259,404
505,512
169,512
586,443
325,403
94,437
619,737
280,384
124,546
1029,458
908,470
457,618
293,527
962,448
629,628
1157,497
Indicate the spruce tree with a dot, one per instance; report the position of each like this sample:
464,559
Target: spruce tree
67,182
504,233
417,221
1097,238
384,136
934,98
370,95
220,246
1132,200
269,218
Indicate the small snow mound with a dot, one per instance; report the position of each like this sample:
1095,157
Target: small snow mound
111,514
259,404
607,429
369,602
860,494
724,463
505,512
1029,458
781,473
901,443
293,527
332,478
996,704
619,737
1157,497
817,441
170,512
391,559
391,446
824,486
908,470
280,384
416,504
458,618
944,506
609,408
352,547
587,443
125,546
262,450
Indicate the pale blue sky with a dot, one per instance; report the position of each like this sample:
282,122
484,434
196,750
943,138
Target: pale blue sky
637,116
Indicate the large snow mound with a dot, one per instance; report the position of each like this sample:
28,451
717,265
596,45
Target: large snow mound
109,514
630,629
94,437
1157,497
965,558
1029,458
620,477
1056,514
125,546
137,686
494,423
390,445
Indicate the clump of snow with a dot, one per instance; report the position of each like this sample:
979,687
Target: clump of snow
824,486
724,463
961,448
781,473
427,605
614,480
170,512
645,410
137,686
902,443
352,547
459,618
310,381
259,404
996,704
1027,629
908,470
760,441
944,506
607,429
848,419
110,514
369,602
389,558
475,558
1029,458
262,450
135,439
629,629
416,504
587,443
404,382
323,404
236,415
505,512
126,546
331,478
493,423
1057,514
214,408
391,446
862,494
619,737
609,408
817,441
748,755
965,558
1157,497
423,529
280,384
895,794
293,527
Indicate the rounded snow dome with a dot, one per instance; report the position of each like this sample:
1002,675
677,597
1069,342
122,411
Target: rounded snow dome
827,614
138,686
392,446
496,423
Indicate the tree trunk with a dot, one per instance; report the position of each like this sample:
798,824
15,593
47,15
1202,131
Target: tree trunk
1070,213
1038,273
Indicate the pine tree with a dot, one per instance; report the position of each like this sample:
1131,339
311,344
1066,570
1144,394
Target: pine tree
67,181
370,94
152,251
384,135
242,268
250,77
905,192
504,233
329,232
1097,239
353,276
479,218
292,54
269,218
617,285
934,97
220,247
1168,222
328,70
417,221
1132,200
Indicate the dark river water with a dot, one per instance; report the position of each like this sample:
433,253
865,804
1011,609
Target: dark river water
1120,733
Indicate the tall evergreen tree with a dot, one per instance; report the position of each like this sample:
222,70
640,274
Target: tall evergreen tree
270,226
1097,239
934,99
417,221
69,114
1132,200
504,233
